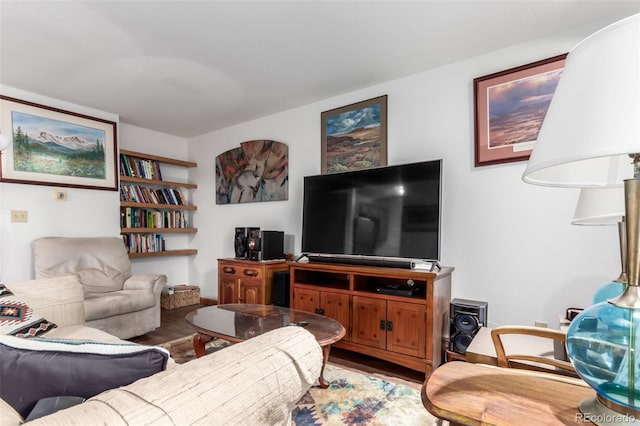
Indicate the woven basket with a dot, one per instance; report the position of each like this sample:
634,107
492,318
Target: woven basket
180,299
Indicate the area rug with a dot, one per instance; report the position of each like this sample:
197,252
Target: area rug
353,397
182,351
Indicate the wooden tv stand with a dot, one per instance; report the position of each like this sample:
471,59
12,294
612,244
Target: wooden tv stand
406,330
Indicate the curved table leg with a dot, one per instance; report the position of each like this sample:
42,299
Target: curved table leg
322,382
199,340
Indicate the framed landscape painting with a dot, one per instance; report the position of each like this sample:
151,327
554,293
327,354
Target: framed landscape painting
54,147
510,107
355,136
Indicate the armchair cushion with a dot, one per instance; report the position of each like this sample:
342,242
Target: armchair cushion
100,281
106,305
101,263
17,318
33,369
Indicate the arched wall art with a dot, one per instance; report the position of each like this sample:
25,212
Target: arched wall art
256,171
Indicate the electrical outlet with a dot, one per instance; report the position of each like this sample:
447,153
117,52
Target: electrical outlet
541,324
59,195
19,216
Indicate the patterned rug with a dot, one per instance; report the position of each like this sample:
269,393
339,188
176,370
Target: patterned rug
182,349
353,398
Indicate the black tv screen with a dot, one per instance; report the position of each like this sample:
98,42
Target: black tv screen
387,212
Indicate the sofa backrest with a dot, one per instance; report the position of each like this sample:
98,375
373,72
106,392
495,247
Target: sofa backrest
59,300
101,263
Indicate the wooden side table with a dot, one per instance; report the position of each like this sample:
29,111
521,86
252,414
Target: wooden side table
475,394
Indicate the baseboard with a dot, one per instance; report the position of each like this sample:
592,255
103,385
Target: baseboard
208,302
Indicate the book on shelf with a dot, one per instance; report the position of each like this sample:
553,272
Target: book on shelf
143,194
134,217
147,243
140,167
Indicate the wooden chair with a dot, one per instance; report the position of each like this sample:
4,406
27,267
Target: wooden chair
529,361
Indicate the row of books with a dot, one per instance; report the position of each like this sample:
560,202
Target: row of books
131,217
139,167
149,243
143,194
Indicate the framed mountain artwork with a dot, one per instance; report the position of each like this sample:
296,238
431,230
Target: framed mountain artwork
50,146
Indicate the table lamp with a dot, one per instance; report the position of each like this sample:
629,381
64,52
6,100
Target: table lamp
605,207
590,138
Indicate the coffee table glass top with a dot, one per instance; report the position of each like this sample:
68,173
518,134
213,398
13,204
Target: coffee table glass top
237,322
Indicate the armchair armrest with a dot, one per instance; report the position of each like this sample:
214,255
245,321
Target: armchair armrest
153,282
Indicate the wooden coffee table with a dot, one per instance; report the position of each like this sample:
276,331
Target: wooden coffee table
238,322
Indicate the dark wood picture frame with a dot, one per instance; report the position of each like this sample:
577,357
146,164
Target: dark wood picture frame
51,146
360,144
509,109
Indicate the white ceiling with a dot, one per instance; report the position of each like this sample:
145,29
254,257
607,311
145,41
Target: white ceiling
189,67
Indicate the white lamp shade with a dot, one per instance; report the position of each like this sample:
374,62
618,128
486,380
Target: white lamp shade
599,206
583,141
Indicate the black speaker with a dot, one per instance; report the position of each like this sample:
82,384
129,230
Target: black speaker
240,243
466,317
253,242
280,289
269,245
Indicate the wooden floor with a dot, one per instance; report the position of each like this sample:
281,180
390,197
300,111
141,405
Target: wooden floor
173,326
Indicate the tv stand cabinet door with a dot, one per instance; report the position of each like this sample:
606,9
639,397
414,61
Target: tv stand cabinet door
336,306
408,331
306,300
369,322
251,292
228,289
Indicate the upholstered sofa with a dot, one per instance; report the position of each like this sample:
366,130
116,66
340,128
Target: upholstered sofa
255,382
116,301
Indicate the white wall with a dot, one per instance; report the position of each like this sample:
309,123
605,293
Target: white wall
511,243
87,212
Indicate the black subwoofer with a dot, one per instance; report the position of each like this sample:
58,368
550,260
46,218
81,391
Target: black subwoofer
280,289
466,317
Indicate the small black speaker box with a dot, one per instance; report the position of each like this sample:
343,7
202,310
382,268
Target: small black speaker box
240,243
280,289
270,245
253,243
466,317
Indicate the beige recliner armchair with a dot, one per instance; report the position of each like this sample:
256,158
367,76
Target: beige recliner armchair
115,301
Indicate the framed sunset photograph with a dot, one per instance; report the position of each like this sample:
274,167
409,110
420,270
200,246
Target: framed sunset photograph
50,146
354,137
510,107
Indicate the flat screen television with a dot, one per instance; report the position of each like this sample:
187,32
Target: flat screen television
388,216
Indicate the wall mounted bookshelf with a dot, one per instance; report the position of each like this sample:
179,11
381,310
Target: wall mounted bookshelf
151,206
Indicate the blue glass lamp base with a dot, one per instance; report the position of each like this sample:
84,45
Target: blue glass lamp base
603,343
608,291
595,411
